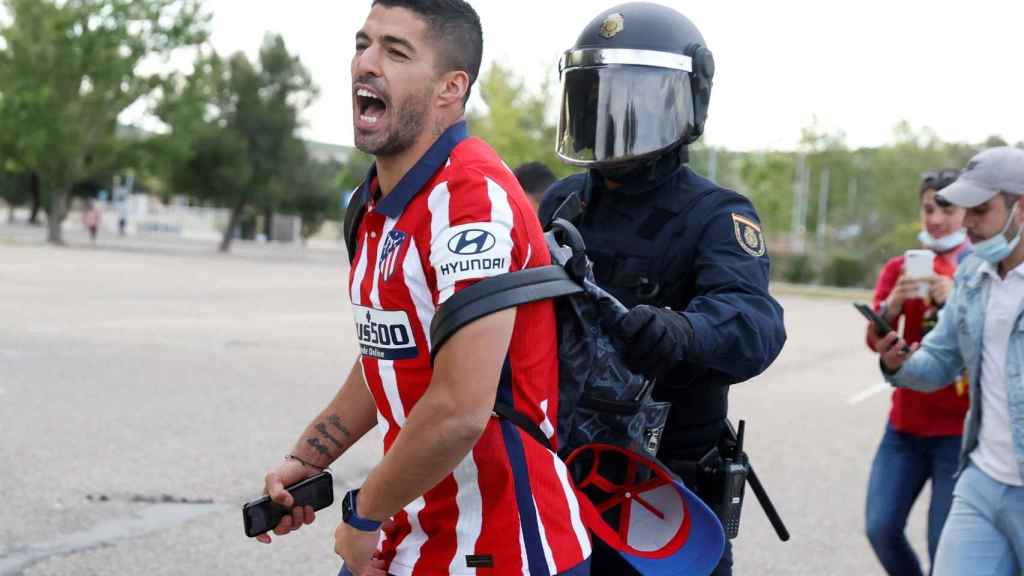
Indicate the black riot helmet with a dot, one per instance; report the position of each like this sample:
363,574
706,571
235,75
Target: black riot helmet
635,85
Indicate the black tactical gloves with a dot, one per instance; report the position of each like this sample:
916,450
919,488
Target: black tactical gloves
656,339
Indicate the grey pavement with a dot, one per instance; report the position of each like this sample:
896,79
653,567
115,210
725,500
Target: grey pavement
147,384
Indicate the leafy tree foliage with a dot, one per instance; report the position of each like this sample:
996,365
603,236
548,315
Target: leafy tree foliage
68,69
233,138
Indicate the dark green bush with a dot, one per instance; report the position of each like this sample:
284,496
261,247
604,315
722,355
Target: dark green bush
793,268
846,270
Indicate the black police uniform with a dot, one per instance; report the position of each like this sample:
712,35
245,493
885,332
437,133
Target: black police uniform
677,240
687,257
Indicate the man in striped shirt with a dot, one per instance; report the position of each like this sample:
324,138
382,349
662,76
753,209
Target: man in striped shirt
458,491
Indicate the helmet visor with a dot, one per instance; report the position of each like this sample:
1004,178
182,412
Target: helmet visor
618,112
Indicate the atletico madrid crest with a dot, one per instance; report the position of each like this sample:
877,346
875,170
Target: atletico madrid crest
389,254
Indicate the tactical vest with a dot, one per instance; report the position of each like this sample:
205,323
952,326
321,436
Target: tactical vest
642,246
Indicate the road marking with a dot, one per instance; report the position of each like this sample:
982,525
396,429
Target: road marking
150,519
868,393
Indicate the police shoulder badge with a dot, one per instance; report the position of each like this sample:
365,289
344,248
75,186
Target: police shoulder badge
748,235
613,24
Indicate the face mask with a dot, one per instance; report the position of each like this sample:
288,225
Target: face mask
998,248
944,244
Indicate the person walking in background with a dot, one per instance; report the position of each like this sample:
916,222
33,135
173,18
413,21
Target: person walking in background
91,219
122,217
981,328
535,178
922,435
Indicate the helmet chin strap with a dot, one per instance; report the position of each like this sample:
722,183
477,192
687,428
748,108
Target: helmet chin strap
649,170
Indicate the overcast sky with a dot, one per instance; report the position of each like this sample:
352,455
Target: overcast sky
861,67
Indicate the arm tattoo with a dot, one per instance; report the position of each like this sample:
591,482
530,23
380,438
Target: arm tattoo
322,429
318,446
336,422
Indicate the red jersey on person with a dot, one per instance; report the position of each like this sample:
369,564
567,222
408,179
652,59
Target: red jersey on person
459,216
939,413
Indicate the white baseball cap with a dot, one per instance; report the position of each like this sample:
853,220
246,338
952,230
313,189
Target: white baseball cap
990,172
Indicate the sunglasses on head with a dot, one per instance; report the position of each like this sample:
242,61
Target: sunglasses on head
936,175
938,179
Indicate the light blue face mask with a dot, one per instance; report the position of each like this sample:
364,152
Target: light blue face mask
998,248
944,244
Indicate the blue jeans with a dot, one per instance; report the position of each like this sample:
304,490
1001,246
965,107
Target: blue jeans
902,465
984,534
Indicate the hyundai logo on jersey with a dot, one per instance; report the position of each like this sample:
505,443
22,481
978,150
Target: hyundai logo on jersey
471,251
470,242
389,253
645,512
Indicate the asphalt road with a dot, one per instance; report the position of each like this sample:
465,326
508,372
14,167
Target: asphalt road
146,385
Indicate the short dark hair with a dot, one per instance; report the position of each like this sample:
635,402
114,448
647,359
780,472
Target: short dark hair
535,178
457,28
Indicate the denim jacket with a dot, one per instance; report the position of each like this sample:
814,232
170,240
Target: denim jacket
955,343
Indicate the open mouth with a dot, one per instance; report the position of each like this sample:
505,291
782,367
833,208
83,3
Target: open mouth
370,105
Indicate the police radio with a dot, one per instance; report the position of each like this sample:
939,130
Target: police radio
726,470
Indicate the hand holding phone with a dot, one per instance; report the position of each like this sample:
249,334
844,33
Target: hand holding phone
263,514
894,352
882,327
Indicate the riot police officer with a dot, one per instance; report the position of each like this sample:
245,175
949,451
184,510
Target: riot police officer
687,256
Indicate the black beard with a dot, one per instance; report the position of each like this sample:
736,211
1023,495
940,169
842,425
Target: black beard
406,126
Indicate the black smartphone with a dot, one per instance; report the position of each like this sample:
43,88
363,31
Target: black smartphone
262,515
882,327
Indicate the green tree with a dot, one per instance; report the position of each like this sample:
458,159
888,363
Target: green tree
827,155
68,69
515,121
314,195
350,175
353,171
14,189
233,130
892,175
768,181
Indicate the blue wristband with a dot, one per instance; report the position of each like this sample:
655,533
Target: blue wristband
350,517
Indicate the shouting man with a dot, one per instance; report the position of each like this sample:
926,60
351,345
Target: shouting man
457,489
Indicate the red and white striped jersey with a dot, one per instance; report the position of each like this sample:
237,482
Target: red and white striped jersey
459,216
